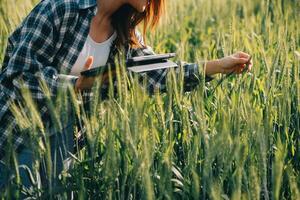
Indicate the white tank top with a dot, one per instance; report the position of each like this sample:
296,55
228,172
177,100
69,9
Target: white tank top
100,52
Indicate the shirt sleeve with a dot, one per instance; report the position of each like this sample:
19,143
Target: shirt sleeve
31,57
156,80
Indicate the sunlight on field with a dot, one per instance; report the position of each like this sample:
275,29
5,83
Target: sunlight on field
240,142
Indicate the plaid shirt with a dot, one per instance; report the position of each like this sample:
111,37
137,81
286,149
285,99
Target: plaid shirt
44,47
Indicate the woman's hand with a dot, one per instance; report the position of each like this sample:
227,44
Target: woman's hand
85,83
235,63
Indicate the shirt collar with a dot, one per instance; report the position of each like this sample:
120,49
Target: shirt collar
83,4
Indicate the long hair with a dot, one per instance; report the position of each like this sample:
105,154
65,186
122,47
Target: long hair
126,18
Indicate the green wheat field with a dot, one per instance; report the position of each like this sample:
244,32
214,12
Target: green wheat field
240,140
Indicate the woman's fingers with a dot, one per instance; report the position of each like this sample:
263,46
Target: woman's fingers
89,62
239,69
241,54
241,57
235,63
85,82
241,60
250,67
245,60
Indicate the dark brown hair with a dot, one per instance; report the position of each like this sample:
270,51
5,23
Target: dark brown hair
127,18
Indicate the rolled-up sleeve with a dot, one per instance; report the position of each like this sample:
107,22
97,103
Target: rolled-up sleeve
191,72
157,80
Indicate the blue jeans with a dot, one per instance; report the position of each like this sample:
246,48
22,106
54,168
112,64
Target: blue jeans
61,143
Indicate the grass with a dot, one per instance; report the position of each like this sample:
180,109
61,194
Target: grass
240,142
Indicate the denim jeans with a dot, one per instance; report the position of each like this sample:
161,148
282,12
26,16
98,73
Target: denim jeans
61,144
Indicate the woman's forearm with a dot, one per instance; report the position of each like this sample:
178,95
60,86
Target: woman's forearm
212,67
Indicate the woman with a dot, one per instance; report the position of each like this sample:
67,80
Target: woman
60,38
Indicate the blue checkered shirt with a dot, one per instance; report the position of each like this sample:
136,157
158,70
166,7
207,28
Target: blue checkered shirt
44,47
